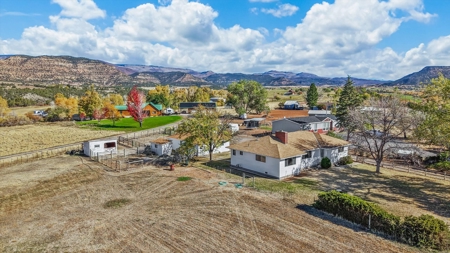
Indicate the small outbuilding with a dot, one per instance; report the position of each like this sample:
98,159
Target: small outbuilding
291,105
161,146
253,123
93,147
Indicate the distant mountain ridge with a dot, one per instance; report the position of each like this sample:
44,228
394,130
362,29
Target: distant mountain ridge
423,76
48,70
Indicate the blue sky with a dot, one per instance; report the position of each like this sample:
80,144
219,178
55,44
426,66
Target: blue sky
380,39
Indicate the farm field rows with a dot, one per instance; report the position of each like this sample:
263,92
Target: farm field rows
154,212
26,138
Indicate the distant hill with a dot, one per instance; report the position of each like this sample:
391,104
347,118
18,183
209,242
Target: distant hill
59,70
423,76
48,70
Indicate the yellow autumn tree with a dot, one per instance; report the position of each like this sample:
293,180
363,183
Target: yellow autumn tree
115,99
70,104
4,109
111,112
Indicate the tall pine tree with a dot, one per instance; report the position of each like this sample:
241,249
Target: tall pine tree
348,101
312,95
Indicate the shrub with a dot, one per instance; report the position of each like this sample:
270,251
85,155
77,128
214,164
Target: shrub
422,231
345,160
33,117
14,121
441,166
425,231
325,163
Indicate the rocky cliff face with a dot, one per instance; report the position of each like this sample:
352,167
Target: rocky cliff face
59,70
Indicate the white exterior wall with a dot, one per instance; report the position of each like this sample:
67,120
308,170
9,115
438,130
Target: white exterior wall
161,149
176,143
90,149
335,155
248,161
291,170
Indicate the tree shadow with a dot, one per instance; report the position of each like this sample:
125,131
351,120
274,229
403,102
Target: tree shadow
331,218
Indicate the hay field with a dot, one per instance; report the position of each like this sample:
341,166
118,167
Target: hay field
82,208
26,138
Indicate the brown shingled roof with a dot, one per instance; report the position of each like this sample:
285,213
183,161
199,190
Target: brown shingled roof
298,143
178,137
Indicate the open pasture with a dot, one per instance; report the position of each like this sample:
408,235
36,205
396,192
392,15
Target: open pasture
78,207
18,139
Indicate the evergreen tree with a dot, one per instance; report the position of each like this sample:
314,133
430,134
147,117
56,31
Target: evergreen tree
312,96
348,101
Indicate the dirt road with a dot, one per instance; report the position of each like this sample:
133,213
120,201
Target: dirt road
58,205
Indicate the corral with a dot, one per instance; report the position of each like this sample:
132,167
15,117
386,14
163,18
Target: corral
72,204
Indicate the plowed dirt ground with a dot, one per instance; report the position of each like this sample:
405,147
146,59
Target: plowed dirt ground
57,205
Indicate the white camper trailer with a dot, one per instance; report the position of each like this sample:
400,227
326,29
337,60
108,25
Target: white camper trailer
94,147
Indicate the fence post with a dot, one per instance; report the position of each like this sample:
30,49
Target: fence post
370,216
124,153
98,158
253,182
243,178
137,150
445,174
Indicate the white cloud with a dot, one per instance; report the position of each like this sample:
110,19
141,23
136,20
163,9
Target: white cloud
283,10
262,1
331,40
17,13
85,9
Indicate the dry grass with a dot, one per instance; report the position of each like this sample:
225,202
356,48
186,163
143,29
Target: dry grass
61,214
21,111
19,139
398,192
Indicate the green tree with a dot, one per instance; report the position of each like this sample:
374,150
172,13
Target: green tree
247,96
348,101
160,95
434,127
205,129
91,101
312,95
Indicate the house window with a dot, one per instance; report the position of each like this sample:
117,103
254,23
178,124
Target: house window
97,146
260,158
234,152
156,145
341,149
307,155
241,152
289,161
322,153
153,112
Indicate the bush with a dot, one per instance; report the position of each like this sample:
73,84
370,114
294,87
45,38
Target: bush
422,231
32,117
14,121
441,166
325,163
345,160
425,231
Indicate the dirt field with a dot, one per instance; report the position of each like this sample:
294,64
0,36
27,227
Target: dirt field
19,139
59,204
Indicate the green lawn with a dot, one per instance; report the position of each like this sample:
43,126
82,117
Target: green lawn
128,124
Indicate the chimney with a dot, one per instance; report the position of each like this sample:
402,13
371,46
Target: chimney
283,136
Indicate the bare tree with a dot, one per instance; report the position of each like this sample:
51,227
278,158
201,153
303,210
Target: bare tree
378,126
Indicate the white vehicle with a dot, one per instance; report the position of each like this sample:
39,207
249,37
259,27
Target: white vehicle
169,111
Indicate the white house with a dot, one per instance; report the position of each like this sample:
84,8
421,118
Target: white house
165,146
286,154
93,147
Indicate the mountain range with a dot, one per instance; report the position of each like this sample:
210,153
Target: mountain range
49,70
